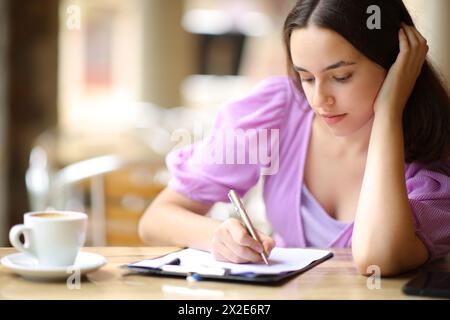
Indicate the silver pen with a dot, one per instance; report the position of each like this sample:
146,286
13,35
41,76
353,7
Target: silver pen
248,224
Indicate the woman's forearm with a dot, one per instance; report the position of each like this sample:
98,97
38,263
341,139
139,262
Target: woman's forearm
166,223
384,231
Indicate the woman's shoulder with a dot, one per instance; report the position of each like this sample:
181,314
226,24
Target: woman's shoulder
428,179
269,103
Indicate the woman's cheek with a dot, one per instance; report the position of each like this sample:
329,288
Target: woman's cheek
362,94
370,86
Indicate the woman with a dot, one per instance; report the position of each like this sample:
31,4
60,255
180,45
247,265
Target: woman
364,142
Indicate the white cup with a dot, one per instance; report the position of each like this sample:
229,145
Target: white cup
53,238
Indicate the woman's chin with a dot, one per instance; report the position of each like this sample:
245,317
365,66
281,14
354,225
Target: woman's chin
349,130
341,132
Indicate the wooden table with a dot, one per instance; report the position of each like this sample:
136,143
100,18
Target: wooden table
336,278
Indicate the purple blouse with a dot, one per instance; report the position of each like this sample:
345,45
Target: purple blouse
320,229
276,105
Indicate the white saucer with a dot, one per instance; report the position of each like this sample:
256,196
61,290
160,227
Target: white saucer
27,267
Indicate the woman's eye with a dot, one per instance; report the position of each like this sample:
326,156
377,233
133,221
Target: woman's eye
339,79
342,79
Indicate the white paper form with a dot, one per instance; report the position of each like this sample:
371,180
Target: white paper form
280,260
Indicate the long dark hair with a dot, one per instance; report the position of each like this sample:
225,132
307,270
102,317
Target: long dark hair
426,118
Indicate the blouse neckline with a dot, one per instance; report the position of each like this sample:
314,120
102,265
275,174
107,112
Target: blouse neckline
322,211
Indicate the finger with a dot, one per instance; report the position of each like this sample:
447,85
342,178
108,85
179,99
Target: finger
411,36
403,40
241,253
423,42
416,36
219,257
402,57
242,237
223,253
268,242
419,35
422,50
219,248
244,253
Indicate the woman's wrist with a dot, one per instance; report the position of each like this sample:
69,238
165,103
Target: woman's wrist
389,112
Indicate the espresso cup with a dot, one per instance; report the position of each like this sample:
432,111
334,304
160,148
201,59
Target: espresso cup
53,238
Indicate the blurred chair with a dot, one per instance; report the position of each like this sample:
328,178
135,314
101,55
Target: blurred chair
114,190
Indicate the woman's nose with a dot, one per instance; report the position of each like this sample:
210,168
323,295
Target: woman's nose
322,98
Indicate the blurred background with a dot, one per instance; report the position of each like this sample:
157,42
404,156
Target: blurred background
92,91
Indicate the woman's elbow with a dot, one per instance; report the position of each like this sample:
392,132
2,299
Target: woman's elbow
370,260
376,267
145,232
142,232
387,264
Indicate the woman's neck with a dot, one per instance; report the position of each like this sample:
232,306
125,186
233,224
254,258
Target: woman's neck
351,146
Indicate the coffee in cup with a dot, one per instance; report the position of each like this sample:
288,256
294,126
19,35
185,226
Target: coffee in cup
53,238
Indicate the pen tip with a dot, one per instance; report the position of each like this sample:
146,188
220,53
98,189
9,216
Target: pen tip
266,261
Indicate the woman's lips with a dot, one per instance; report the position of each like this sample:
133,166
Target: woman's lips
333,119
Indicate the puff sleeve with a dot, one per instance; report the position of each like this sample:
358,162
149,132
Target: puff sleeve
429,196
196,176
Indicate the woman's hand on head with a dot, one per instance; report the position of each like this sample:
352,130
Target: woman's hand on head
402,75
232,243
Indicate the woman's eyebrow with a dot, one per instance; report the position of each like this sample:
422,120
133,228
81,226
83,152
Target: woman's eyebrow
333,66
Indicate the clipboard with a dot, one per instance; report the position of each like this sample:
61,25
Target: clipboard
258,279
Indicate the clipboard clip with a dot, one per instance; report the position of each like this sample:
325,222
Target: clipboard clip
198,270
174,266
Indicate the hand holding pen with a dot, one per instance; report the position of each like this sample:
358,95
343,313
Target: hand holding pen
233,242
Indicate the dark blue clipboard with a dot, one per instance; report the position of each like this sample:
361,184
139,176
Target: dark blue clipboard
263,279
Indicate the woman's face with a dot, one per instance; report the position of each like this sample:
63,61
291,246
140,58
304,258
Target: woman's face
336,78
